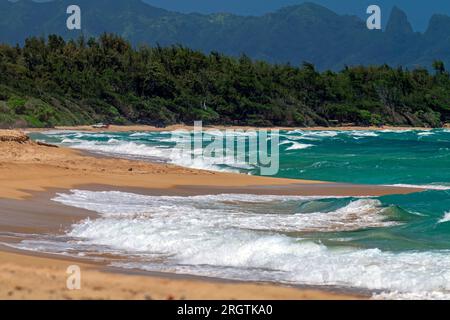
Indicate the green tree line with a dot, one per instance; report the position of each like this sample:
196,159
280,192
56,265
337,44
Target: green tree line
51,81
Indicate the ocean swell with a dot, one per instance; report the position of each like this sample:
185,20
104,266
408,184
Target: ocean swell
229,236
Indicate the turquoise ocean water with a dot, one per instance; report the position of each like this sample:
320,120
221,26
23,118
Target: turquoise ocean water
395,246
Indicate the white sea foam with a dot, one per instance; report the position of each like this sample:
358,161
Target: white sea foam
421,295
425,133
232,211
425,187
213,164
304,138
299,146
363,133
296,131
114,146
445,218
241,237
232,133
116,202
361,213
141,134
70,141
59,132
89,135
396,130
310,133
161,148
326,134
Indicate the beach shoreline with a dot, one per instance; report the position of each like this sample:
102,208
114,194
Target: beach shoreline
39,275
107,282
142,128
30,174
28,274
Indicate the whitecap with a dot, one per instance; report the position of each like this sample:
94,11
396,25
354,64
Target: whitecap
425,133
299,146
445,218
363,134
140,134
325,134
425,187
228,236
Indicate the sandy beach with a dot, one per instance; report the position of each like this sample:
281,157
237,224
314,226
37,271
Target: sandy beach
32,277
126,128
30,174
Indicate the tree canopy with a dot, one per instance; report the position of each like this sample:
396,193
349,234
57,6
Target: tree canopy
51,82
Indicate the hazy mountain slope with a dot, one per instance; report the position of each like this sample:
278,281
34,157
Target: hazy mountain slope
306,32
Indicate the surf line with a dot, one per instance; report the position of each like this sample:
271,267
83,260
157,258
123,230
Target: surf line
232,147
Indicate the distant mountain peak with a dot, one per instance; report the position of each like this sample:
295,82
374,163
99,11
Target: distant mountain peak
439,26
308,8
398,23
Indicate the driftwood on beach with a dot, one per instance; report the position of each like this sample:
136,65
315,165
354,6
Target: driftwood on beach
13,136
46,144
20,137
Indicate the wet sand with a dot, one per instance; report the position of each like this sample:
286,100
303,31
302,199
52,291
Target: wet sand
27,167
35,275
30,175
24,276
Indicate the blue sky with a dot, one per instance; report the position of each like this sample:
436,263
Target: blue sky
418,11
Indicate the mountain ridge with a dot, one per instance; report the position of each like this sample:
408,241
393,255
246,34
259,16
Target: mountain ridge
305,32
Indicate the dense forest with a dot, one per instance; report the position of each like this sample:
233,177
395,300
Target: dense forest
51,82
